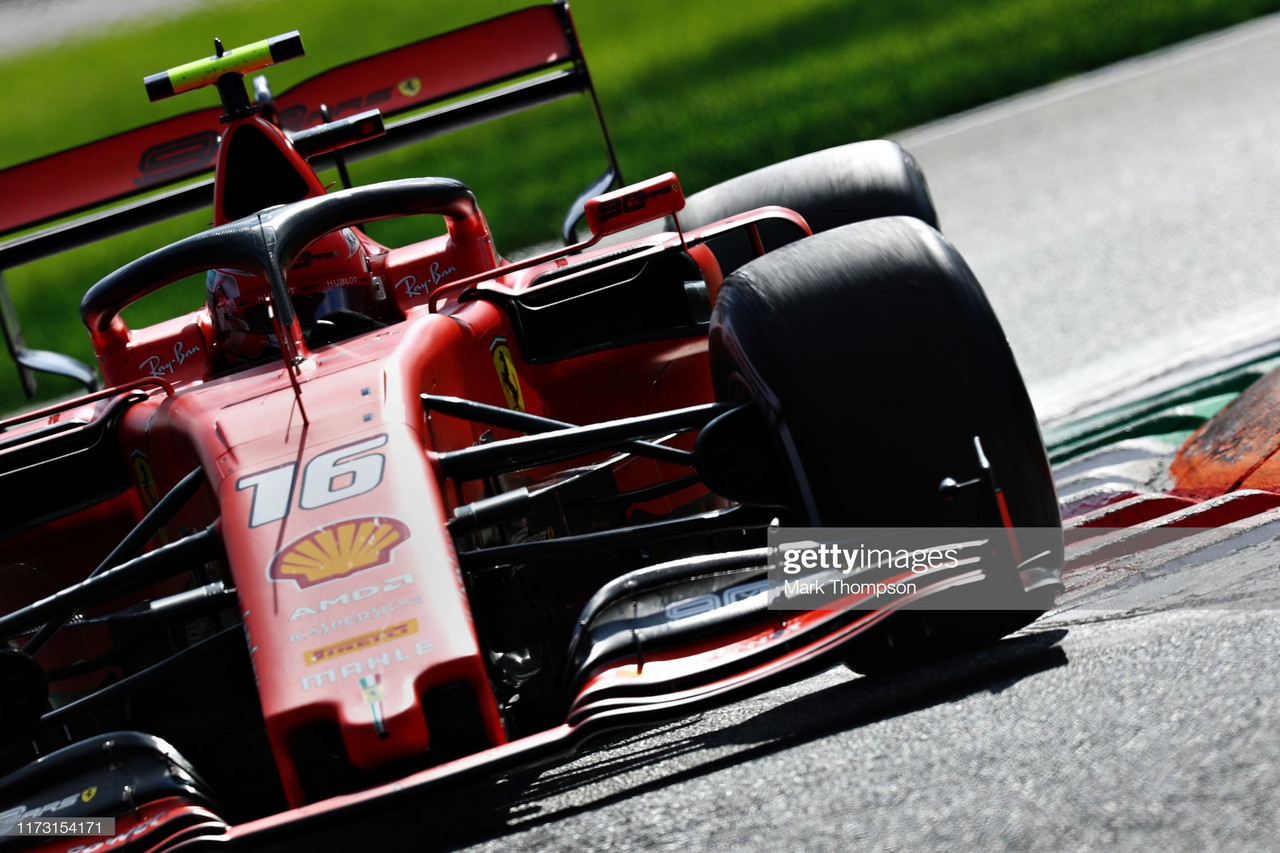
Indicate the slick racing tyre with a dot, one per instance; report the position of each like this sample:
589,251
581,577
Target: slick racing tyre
874,360
851,183
830,188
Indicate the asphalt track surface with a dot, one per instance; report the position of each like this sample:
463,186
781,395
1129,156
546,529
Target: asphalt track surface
1123,224
1123,220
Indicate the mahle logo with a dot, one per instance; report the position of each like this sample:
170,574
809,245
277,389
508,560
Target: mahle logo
338,551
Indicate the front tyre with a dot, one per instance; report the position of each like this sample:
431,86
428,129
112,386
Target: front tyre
874,360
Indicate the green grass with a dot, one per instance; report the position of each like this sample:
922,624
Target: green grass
703,87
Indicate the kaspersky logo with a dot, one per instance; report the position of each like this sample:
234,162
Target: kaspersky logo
338,551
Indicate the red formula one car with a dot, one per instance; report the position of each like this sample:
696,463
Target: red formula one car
376,518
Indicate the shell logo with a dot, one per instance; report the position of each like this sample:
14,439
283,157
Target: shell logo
338,551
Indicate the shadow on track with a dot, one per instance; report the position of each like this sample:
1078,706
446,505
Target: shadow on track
519,802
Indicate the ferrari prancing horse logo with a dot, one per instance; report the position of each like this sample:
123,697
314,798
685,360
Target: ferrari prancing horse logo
507,377
409,87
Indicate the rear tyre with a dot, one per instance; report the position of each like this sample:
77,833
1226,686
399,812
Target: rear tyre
829,188
874,360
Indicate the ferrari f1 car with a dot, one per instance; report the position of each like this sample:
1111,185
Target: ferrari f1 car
374,518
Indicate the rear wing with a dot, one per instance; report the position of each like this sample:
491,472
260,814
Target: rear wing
471,75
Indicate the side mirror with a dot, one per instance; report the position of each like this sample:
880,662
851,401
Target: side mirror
606,214
633,205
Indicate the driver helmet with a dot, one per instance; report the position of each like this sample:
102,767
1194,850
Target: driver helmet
331,275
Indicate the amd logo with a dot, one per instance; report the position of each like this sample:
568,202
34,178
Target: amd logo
345,598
